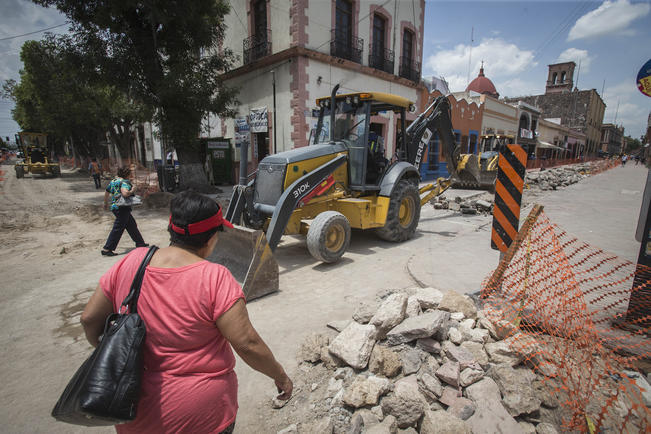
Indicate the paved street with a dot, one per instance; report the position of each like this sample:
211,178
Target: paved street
52,263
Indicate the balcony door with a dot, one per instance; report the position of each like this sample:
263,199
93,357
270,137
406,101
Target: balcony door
379,36
344,23
407,49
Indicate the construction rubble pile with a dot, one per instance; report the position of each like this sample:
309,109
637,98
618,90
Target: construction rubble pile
477,205
558,177
424,361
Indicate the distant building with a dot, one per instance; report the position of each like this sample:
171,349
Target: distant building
483,85
557,141
528,117
295,51
436,83
582,110
612,138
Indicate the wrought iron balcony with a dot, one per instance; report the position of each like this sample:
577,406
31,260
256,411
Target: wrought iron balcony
257,46
409,69
381,59
346,48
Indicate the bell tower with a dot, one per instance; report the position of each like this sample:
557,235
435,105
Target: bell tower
560,78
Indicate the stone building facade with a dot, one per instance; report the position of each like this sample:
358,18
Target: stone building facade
612,139
582,110
294,51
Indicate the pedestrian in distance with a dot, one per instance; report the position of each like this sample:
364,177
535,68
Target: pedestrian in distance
95,169
624,158
195,315
120,186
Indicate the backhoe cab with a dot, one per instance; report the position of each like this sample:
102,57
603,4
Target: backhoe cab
480,171
342,180
35,155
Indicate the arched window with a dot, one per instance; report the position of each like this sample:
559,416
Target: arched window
554,77
563,77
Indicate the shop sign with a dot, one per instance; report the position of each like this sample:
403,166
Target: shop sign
258,120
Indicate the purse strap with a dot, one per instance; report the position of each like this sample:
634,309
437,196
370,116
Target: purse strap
131,300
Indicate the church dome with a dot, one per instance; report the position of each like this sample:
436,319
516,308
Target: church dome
483,85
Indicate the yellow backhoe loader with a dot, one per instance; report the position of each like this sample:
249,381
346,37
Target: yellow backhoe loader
342,180
35,161
480,170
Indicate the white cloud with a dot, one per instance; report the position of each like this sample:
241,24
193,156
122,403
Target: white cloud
503,61
611,17
578,56
624,101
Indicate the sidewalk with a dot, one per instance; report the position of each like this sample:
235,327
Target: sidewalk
601,210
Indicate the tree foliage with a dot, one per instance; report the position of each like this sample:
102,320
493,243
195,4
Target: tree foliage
632,144
55,95
165,53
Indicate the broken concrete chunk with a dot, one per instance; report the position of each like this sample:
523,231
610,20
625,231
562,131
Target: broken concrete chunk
365,391
413,307
390,313
470,375
430,385
455,335
457,316
449,373
354,344
429,298
449,395
339,325
442,422
364,312
411,361
455,302
462,408
516,385
485,389
475,335
405,403
477,351
460,355
501,352
491,417
384,362
388,426
545,428
310,350
422,326
429,345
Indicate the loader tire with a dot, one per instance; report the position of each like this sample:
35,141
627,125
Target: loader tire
329,236
403,215
20,172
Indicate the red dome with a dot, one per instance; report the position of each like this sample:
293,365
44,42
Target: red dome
483,85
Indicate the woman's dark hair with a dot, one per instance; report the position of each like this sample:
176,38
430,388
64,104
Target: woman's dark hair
124,172
190,207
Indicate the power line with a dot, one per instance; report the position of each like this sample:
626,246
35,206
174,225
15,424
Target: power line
31,33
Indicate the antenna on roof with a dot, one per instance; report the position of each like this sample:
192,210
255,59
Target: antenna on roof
472,40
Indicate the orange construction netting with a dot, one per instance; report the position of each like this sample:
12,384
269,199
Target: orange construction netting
572,312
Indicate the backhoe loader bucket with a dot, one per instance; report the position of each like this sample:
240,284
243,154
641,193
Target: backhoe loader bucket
468,172
247,255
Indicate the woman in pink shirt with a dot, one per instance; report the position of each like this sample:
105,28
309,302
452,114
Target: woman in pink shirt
194,311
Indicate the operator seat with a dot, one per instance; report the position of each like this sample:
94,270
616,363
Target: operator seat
376,162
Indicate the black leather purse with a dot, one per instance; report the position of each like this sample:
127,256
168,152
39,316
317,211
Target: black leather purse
106,388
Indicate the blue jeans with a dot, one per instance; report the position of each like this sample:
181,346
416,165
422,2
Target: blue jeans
123,220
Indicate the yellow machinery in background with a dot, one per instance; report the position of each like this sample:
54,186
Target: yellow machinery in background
480,170
35,152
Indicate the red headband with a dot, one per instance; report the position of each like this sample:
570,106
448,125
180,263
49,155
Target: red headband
201,226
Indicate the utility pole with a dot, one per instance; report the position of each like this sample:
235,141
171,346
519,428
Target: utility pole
472,40
273,85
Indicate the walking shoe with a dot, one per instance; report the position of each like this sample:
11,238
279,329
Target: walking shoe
108,253
142,245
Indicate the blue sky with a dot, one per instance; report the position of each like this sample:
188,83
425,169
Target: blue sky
516,40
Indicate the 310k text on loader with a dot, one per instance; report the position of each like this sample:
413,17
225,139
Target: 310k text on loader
342,180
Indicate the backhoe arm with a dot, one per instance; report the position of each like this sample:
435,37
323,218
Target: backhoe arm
436,117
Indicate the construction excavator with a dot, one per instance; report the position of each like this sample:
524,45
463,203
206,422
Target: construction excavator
342,180
480,170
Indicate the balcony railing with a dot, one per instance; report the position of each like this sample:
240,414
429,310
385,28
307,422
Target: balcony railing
346,48
257,46
381,59
409,69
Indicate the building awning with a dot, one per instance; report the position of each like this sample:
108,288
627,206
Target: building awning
546,145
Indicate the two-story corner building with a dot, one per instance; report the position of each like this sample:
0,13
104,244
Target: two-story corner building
612,137
294,51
